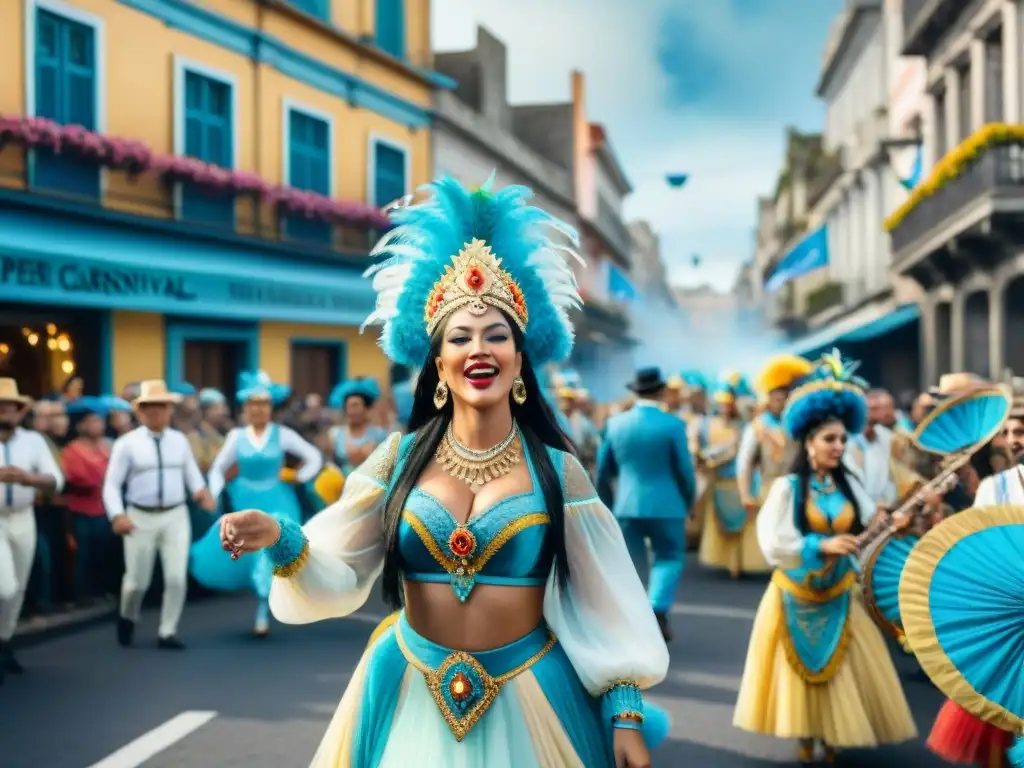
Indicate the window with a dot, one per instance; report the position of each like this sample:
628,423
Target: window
389,172
318,8
207,124
65,92
391,27
308,152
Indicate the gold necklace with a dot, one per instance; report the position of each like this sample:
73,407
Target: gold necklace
478,467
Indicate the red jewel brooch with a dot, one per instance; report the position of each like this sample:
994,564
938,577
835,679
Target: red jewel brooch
475,278
462,543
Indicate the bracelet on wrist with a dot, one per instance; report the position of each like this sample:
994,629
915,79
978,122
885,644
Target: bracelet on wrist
290,553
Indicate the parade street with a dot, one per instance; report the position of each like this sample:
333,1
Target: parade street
230,700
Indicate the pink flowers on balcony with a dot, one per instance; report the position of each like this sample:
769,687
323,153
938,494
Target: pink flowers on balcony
134,157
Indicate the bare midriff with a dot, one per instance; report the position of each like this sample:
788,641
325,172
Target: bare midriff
492,616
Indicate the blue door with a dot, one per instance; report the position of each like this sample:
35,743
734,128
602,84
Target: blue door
391,27
65,92
309,168
389,175
208,137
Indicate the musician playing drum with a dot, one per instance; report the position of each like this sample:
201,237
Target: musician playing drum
817,668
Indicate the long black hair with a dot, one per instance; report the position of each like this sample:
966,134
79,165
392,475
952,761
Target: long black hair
804,471
539,427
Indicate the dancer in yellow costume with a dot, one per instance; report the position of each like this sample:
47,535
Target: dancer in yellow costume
817,668
729,537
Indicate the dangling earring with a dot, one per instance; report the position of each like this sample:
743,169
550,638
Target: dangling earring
519,390
441,395
811,458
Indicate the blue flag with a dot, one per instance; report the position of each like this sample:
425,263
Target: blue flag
915,172
809,254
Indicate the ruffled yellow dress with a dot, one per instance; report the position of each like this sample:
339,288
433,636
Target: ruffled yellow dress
817,667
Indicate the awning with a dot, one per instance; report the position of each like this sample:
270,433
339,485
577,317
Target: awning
865,324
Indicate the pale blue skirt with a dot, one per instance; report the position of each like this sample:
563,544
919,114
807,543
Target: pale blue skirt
399,710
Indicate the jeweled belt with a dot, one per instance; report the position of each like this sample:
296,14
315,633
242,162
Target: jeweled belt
461,687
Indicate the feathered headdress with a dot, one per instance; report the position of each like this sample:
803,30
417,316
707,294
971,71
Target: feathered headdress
474,249
364,387
830,391
783,372
567,383
731,386
259,386
694,381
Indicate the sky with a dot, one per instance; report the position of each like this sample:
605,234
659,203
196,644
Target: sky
704,87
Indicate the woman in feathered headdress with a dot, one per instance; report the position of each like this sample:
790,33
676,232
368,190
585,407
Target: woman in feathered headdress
818,668
483,522
258,451
357,438
729,537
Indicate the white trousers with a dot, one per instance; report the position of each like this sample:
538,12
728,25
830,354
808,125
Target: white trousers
168,534
17,551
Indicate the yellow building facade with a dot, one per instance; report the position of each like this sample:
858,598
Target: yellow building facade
307,116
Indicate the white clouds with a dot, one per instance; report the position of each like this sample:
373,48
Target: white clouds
733,157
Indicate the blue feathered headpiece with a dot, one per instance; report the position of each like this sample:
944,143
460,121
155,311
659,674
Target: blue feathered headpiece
115,403
364,387
830,391
86,405
259,386
694,380
732,386
475,249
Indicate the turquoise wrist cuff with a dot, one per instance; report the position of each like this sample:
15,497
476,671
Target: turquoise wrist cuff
291,550
623,704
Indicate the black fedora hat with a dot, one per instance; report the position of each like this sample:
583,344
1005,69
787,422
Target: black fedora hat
647,381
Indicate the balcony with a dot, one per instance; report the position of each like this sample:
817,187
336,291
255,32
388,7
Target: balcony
198,201
927,22
823,298
963,204
614,232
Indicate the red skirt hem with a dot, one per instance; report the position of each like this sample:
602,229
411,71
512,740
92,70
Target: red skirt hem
959,737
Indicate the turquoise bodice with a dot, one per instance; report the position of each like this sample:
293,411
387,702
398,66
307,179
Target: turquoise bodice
828,514
259,466
507,543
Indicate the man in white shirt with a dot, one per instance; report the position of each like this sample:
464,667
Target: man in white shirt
876,453
26,466
1014,429
151,472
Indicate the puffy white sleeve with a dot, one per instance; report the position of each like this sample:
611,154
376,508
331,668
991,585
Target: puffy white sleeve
225,459
866,508
602,616
326,568
746,458
777,534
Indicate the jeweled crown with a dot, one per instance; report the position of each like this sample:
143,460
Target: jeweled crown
475,280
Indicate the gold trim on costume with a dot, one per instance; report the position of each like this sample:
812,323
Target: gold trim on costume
472,565
804,594
461,726
915,609
295,566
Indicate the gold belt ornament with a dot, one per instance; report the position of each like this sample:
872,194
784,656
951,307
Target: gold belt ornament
461,687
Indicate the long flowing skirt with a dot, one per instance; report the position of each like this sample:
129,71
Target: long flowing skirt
541,717
863,705
214,569
959,737
729,538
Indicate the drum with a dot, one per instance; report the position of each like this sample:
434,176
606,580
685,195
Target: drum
881,566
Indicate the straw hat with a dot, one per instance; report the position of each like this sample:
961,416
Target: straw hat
9,392
155,392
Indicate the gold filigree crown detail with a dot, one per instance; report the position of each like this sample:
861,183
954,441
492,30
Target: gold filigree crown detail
475,279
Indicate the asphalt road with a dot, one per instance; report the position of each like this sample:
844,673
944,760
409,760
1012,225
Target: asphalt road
230,700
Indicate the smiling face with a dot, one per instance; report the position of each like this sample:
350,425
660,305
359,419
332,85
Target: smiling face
258,411
478,357
827,445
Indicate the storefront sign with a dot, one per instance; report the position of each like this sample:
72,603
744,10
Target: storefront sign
89,282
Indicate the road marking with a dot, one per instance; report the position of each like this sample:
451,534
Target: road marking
713,611
706,680
137,752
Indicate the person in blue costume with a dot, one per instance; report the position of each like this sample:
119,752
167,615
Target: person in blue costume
525,639
729,536
357,438
258,451
818,669
645,458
